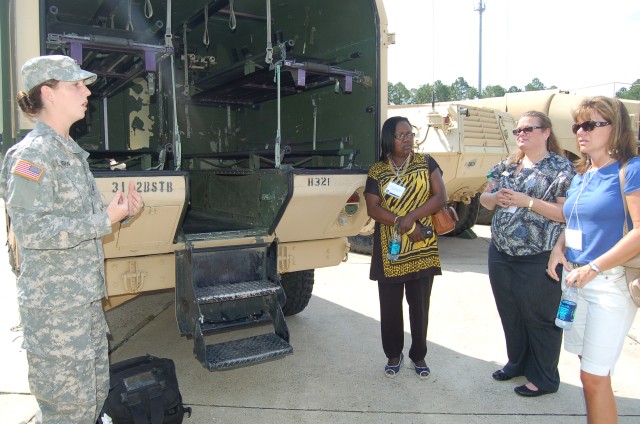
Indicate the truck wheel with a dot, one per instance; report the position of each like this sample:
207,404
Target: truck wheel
361,244
467,215
298,287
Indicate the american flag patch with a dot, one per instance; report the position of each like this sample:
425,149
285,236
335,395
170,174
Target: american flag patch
28,170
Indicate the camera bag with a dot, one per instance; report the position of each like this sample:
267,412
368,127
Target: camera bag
144,390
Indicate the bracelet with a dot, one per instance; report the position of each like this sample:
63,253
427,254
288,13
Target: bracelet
595,267
530,204
412,228
395,221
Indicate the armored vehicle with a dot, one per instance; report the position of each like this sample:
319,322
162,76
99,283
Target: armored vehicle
247,126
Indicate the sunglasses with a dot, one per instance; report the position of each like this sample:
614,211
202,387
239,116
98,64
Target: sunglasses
526,130
588,126
403,136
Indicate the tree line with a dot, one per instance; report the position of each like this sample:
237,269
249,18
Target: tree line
461,90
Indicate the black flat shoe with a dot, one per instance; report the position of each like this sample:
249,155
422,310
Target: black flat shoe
500,375
527,392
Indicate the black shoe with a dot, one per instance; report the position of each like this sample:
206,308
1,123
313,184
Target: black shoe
500,375
527,392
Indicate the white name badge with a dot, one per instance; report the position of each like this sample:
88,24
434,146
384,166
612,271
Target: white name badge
394,190
573,239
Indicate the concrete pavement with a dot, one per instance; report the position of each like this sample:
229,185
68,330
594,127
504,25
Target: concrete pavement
335,374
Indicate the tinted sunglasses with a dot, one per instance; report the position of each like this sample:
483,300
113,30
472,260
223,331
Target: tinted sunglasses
526,130
588,126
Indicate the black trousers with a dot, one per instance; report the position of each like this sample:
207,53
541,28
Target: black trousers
527,300
391,320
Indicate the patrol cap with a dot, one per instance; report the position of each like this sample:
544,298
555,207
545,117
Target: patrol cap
54,67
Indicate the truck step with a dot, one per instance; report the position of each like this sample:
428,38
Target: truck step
225,292
246,351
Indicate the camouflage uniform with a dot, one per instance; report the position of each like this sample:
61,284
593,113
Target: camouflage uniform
59,219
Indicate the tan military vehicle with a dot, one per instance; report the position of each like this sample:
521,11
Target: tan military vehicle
248,127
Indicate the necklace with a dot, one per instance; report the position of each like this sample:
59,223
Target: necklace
398,169
600,167
591,174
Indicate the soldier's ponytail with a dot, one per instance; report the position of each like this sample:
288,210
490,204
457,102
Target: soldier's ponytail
31,102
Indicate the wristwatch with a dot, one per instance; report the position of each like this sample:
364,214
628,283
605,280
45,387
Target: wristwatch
594,267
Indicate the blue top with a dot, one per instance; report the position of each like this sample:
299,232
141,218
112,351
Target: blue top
526,232
599,211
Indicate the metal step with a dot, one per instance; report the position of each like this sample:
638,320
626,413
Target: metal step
225,292
246,351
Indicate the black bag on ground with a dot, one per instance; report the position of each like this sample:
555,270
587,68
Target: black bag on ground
144,390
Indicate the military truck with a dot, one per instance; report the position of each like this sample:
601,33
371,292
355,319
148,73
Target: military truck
248,128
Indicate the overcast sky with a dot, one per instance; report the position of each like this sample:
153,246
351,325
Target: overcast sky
587,46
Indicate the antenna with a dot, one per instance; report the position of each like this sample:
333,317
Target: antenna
480,10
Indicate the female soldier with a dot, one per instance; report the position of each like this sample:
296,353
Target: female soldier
59,220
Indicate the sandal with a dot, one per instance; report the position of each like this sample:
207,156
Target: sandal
391,371
421,372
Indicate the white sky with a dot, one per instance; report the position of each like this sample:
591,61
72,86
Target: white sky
587,46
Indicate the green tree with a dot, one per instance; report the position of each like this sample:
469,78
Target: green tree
493,91
460,90
422,94
398,94
514,89
443,92
631,93
534,85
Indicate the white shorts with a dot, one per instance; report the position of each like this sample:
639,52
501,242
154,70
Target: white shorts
604,315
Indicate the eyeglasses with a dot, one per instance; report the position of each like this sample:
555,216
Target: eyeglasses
526,130
404,136
588,126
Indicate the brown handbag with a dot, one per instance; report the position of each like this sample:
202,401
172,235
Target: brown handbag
632,266
444,221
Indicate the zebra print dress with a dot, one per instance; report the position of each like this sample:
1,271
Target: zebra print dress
416,260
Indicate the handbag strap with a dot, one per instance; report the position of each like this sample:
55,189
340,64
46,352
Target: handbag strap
623,181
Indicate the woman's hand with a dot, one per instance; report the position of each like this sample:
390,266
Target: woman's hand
515,198
135,200
118,208
579,277
416,235
504,197
405,223
556,258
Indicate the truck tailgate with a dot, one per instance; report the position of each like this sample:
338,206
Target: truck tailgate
154,229
322,205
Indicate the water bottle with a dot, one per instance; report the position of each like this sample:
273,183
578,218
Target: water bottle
567,308
394,246
492,183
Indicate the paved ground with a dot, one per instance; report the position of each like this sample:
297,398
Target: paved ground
335,374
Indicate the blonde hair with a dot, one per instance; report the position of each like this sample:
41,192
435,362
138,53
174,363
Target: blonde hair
622,143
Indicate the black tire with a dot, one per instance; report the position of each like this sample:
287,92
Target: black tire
298,287
361,244
467,215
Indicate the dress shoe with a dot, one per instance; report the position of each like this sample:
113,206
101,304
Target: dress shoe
527,392
500,375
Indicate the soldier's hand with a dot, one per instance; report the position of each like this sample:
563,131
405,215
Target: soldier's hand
135,199
118,208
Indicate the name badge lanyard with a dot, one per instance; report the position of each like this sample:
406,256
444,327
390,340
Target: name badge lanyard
394,189
576,234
